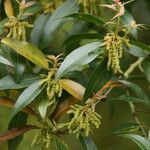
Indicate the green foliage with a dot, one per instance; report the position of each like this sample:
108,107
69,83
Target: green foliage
60,61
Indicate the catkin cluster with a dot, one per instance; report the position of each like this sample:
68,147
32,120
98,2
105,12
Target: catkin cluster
54,88
16,28
51,6
85,118
114,51
43,137
89,6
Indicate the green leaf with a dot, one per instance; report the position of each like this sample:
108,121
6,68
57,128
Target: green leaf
43,103
37,31
77,37
88,18
125,128
141,45
61,145
128,99
98,79
27,50
8,82
19,120
135,88
12,133
146,69
88,143
127,18
57,20
136,51
3,60
27,96
143,143
79,57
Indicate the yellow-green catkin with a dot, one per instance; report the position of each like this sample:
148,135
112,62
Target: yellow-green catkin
16,28
51,6
85,118
114,51
90,6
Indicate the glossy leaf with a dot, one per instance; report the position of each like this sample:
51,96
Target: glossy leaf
27,96
61,145
141,45
135,88
79,57
143,143
37,31
15,132
8,8
3,60
88,143
77,37
125,128
8,82
19,120
42,106
27,50
63,107
88,18
98,79
73,88
146,69
57,20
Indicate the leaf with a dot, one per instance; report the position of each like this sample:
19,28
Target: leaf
141,45
73,88
61,145
8,82
3,60
27,96
146,69
128,98
42,106
88,143
125,128
63,107
57,20
88,18
27,50
19,120
37,31
10,103
79,57
98,79
144,144
10,134
136,51
8,8
127,18
136,89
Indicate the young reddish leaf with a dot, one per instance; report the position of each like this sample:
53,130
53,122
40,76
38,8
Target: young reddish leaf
63,107
8,8
73,88
16,132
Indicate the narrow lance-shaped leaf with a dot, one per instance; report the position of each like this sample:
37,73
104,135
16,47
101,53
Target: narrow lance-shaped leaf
143,143
15,132
27,96
79,57
88,143
61,145
27,50
8,8
3,60
8,82
146,69
73,88
98,79
56,20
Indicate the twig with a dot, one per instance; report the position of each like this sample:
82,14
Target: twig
132,67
